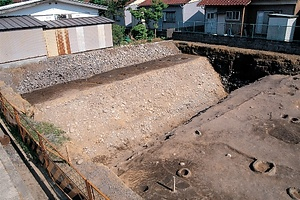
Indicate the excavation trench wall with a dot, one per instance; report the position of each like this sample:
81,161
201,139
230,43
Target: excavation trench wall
66,68
238,67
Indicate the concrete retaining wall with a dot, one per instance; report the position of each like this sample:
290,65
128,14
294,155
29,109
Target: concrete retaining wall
247,43
66,68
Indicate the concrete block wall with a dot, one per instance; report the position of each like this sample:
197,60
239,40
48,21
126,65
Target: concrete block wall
241,42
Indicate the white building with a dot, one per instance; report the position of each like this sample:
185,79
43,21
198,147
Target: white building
52,9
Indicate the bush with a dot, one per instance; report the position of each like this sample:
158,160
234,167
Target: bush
139,32
118,33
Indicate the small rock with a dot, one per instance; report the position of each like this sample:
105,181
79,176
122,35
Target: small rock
79,162
228,155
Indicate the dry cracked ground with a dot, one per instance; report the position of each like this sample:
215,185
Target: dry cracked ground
167,129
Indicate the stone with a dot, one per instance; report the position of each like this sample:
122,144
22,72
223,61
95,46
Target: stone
79,162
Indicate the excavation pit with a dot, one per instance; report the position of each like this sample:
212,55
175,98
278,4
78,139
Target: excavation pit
123,116
263,167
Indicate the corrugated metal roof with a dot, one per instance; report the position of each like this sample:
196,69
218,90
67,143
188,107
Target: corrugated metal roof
168,2
20,22
73,22
224,2
25,4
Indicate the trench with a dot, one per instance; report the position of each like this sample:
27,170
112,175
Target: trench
239,67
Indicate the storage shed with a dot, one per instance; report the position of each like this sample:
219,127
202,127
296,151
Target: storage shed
21,40
68,36
281,27
25,39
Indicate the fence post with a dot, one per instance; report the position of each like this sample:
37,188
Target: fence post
17,117
43,149
3,105
88,188
194,28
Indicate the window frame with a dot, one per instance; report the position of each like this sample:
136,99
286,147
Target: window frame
170,19
211,15
234,15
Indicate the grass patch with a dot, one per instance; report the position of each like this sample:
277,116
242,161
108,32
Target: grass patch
51,132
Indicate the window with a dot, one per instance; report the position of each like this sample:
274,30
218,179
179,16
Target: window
233,15
62,16
169,16
210,15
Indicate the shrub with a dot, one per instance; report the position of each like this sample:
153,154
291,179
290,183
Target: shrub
139,32
118,33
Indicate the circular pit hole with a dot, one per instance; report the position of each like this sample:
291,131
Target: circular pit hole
294,193
263,167
295,120
284,116
184,172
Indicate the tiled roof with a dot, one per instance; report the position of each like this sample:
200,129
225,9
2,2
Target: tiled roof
73,22
224,2
20,22
168,2
25,4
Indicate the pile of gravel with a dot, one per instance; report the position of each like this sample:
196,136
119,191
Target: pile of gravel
66,68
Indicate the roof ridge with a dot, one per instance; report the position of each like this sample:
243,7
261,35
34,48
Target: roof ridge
25,3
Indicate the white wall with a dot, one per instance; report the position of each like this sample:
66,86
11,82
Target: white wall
47,11
21,45
192,12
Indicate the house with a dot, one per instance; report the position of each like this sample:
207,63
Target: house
129,21
25,39
244,17
52,9
179,14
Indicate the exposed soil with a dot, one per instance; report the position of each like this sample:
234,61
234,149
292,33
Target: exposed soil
220,145
110,118
151,127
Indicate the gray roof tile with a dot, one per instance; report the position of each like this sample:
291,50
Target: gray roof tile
20,22
73,22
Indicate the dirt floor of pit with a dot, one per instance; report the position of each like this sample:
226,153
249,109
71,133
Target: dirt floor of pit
110,118
246,147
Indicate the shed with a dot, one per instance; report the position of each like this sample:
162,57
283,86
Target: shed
68,36
21,40
281,27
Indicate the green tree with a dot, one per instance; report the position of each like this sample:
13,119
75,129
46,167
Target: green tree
5,2
115,8
154,13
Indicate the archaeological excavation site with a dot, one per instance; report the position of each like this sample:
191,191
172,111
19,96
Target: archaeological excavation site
163,120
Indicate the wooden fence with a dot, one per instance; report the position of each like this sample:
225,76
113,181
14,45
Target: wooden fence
63,173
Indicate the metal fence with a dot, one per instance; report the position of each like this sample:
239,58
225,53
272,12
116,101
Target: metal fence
263,31
63,173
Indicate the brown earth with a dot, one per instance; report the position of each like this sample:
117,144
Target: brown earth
128,120
218,147
111,117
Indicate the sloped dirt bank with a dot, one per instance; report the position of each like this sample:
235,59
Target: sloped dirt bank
238,66
110,118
